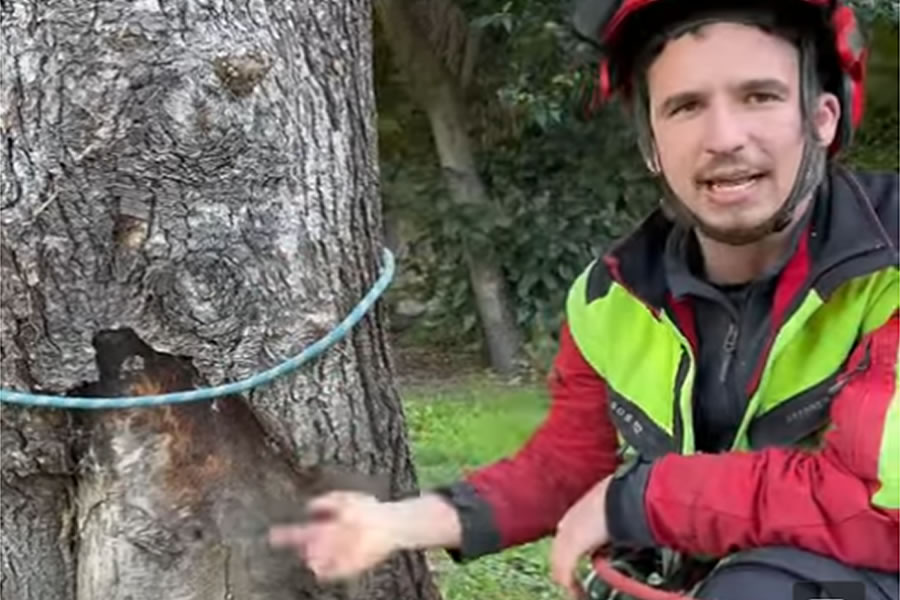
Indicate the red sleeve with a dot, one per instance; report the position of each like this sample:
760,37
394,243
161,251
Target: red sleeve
828,501
574,448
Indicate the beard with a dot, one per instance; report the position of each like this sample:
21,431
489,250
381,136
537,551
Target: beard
810,174
679,212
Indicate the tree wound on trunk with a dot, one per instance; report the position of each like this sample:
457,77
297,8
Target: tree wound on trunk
182,488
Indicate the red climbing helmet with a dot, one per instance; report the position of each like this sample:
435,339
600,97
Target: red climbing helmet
619,28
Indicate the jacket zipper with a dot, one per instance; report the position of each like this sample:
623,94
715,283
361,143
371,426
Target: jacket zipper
728,347
684,364
844,378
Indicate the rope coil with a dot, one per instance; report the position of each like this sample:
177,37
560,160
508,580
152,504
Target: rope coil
237,387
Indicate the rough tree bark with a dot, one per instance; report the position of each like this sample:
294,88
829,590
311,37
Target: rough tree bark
437,89
189,195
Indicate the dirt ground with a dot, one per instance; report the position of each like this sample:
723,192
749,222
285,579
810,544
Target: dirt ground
418,365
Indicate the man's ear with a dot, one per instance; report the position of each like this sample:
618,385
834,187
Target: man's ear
652,162
826,118
649,154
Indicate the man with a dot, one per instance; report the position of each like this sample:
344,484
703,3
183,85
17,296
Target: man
726,383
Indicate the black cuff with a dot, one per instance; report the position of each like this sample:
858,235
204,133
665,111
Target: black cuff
479,530
626,519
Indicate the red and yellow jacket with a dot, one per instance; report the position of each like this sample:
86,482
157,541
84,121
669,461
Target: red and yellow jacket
815,461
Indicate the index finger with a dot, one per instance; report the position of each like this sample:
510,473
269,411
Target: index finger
333,501
296,536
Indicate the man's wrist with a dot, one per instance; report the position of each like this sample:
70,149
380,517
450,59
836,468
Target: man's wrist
426,521
478,533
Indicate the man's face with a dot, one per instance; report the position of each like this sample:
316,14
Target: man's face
727,125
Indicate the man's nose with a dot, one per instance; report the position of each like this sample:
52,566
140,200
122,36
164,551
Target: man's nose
725,132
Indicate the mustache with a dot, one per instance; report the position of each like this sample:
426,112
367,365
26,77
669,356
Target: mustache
728,166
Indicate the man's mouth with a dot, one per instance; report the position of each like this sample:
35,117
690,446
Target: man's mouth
731,182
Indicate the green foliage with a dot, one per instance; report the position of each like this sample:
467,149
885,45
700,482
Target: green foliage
520,573
556,185
560,189
528,72
458,429
559,196
869,11
463,426
875,144
565,205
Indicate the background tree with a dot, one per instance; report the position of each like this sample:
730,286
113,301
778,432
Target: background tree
189,195
435,49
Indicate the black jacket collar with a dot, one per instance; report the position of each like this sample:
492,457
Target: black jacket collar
853,230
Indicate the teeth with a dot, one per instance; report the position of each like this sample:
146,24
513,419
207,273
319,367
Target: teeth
731,185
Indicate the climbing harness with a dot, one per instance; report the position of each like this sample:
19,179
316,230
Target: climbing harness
291,364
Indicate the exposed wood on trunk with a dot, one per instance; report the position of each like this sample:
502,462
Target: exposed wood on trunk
178,499
189,196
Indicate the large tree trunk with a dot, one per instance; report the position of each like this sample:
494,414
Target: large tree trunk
189,196
436,89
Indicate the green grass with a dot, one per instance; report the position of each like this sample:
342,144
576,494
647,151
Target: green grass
464,426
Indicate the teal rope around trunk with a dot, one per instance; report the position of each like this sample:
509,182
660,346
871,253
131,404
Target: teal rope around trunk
291,364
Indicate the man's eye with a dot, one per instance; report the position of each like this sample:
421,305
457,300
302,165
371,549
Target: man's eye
761,98
686,107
